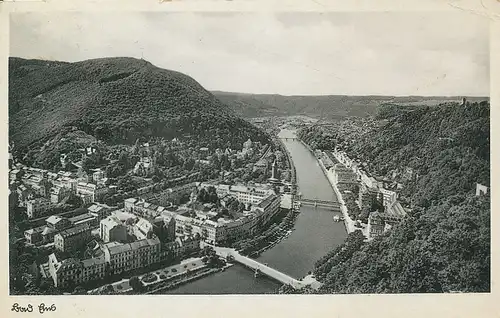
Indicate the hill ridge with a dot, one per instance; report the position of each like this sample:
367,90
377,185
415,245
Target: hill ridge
116,100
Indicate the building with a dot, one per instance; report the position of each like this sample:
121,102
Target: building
111,229
187,245
73,238
34,236
394,213
481,189
98,176
45,234
142,208
72,272
15,175
164,227
244,194
90,192
100,211
286,201
38,207
36,183
126,257
378,222
143,229
247,144
376,225
57,194
145,166
223,231
23,194
389,197
86,218
64,180
342,174
58,223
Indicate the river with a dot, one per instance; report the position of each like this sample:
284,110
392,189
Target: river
315,234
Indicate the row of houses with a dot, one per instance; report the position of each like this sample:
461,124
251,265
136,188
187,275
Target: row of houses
40,191
118,258
348,171
263,204
55,224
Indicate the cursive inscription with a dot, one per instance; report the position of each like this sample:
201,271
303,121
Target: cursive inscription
42,308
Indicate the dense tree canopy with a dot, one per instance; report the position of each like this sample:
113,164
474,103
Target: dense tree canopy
444,244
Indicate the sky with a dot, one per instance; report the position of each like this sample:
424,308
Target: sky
357,53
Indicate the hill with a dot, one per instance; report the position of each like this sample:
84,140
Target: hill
444,244
328,106
115,100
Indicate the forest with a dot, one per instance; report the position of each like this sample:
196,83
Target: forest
116,101
443,245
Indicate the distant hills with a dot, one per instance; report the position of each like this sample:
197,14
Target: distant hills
325,106
115,100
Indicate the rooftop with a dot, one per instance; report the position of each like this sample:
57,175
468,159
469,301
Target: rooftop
267,201
38,229
81,217
93,261
121,248
74,230
54,219
111,221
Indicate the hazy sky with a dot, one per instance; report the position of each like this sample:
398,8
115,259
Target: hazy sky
288,53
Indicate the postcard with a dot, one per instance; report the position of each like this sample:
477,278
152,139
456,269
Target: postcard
219,158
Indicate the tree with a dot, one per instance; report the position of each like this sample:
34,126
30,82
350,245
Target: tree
136,284
202,196
241,207
233,205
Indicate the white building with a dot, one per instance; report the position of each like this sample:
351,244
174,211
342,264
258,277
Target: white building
90,192
111,229
389,196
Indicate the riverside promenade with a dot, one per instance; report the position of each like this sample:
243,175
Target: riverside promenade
349,223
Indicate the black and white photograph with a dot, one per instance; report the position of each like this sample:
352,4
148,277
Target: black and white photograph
223,153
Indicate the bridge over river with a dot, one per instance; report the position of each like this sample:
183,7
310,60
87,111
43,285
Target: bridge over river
330,205
289,138
267,270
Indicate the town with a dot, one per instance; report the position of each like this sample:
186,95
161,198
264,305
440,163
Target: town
159,227
158,237
88,241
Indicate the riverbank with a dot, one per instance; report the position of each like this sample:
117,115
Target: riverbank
269,238
185,279
348,222
170,276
